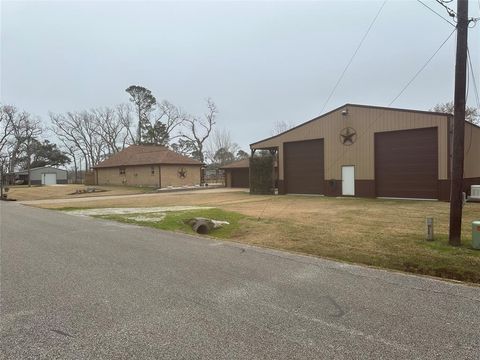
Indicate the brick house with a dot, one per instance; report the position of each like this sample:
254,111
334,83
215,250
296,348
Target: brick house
148,165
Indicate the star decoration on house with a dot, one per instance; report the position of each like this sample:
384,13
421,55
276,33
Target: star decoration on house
182,173
348,136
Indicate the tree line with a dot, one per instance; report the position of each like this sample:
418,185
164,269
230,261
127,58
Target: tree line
21,145
84,138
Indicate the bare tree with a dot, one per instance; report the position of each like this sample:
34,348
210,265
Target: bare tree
113,127
472,114
221,148
12,134
198,129
106,127
78,130
70,149
25,130
94,134
63,127
31,129
6,129
86,132
172,117
124,113
6,125
281,126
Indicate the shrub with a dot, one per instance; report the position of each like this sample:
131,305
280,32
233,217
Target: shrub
261,175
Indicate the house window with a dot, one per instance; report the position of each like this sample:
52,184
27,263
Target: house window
122,171
152,169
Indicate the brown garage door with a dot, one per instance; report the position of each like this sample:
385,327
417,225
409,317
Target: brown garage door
406,163
240,178
304,171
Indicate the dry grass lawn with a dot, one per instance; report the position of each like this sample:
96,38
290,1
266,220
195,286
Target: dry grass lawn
384,233
25,193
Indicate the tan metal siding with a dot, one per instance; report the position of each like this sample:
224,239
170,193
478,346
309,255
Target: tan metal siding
472,152
366,121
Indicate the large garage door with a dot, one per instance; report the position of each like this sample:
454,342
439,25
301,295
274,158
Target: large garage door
406,163
49,179
304,171
240,178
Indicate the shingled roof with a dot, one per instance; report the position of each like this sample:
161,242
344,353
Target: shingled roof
146,155
239,164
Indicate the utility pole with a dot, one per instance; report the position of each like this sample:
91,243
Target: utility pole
456,186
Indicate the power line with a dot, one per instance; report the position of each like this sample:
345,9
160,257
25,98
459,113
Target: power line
450,12
421,69
474,81
436,13
366,129
353,56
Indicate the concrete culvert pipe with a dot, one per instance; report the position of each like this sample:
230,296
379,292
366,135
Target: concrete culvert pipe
202,226
201,229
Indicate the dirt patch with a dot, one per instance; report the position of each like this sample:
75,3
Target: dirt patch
125,211
151,218
25,193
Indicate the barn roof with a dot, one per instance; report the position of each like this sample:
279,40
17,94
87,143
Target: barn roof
25,171
146,155
239,164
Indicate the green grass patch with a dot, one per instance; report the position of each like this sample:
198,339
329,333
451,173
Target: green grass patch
382,233
70,208
175,221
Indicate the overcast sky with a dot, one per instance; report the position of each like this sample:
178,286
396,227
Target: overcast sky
260,62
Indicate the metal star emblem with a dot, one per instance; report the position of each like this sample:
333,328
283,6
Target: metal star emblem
182,173
348,136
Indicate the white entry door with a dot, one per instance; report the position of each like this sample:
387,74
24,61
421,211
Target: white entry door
49,179
348,180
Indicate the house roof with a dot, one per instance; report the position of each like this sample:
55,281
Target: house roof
239,164
146,155
25,171
353,105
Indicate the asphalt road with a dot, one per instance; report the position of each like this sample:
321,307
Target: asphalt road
80,288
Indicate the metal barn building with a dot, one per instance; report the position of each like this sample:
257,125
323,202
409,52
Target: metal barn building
370,151
42,176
